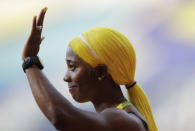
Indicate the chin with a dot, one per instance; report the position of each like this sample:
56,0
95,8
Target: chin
80,100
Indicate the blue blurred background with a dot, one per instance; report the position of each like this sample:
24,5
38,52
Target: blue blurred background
162,32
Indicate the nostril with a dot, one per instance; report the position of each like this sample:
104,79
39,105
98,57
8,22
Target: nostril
66,79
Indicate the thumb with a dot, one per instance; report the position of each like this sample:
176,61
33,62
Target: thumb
42,38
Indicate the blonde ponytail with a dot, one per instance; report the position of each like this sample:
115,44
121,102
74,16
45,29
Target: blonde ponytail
139,99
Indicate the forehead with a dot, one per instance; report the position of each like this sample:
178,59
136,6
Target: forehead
71,55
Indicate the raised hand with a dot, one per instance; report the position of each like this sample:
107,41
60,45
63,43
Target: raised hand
32,45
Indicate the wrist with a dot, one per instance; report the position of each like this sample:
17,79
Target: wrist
30,62
31,68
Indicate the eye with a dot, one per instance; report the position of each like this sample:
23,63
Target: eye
72,67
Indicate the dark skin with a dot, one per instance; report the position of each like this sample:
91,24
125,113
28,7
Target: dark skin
84,86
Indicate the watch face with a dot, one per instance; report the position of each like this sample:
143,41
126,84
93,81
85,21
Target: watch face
27,60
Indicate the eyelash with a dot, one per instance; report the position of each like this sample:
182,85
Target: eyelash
72,67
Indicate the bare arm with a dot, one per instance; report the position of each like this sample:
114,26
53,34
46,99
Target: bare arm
47,97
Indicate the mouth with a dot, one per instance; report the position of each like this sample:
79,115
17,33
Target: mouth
71,87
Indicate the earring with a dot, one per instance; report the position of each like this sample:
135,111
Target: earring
99,78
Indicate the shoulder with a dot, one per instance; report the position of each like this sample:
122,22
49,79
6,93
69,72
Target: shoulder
121,120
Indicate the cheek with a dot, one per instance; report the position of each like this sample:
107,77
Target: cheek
81,77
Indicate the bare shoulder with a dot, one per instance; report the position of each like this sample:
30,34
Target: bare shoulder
120,120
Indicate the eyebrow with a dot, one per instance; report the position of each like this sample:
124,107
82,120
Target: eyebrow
71,61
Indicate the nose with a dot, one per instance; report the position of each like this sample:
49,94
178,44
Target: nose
67,77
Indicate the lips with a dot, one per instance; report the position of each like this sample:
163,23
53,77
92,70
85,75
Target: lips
70,87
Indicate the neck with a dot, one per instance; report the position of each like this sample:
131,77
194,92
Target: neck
108,97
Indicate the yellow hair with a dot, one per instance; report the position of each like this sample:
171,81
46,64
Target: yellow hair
115,51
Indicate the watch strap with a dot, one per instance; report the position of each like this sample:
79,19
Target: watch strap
29,61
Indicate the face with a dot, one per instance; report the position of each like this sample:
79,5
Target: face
80,77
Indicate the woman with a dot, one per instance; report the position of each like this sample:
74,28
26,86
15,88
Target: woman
98,62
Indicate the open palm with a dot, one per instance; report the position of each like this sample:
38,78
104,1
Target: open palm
32,45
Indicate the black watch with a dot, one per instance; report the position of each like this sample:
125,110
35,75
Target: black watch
29,61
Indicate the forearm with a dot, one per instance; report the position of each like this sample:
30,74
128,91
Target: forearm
50,101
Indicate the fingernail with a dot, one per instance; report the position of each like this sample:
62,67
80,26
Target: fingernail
45,9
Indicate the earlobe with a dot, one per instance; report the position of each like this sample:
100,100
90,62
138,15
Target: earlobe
101,71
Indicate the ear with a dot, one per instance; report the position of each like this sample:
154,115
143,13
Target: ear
101,71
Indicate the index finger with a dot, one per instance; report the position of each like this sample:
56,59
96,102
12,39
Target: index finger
41,17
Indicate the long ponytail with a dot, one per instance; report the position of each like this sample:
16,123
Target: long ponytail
138,98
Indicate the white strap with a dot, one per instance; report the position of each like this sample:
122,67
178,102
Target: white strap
86,43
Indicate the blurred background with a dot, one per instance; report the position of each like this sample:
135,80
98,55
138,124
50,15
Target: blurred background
162,32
